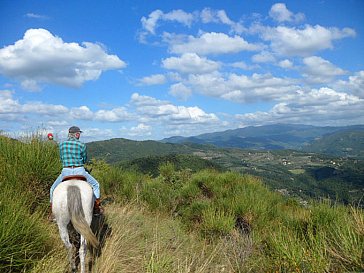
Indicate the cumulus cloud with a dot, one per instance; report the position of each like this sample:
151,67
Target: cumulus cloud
140,130
115,115
280,13
82,112
355,84
287,64
155,79
317,107
243,65
190,63
209,15
242,88
163,111
263,57
41,57
180,91
301,41
12,109
213,43
150,24
319,70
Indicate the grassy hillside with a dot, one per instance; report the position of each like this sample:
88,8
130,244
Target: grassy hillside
208,221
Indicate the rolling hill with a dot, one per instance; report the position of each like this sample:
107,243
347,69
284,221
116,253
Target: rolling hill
347,143
120,149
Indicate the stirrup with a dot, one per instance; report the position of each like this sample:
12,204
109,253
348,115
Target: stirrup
98,211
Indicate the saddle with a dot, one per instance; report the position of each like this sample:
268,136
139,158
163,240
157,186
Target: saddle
74,177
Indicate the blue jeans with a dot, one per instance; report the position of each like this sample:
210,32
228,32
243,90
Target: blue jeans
76,171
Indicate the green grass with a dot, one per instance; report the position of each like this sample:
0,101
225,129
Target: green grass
26,173
242,225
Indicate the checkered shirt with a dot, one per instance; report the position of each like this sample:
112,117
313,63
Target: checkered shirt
73,152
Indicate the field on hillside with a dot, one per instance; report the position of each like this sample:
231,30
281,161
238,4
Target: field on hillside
179,221
300,174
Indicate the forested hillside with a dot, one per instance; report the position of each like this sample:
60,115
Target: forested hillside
119,149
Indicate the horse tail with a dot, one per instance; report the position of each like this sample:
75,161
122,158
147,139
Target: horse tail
78,216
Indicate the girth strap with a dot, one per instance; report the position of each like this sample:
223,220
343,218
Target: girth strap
74,177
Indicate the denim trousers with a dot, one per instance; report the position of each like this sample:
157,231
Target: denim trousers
76,171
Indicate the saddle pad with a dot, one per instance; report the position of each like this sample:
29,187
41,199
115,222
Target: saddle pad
74,177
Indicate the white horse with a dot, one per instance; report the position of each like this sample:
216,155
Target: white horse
73,203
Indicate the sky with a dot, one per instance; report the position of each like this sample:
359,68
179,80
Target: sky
154,69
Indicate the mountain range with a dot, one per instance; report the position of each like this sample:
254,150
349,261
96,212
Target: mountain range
338,141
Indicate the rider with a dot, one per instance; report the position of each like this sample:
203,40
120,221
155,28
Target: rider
73,156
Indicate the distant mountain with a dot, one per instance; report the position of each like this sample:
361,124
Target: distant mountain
269,137
343,143
120,149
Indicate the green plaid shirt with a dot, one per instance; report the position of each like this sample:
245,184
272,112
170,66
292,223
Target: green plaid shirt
73,152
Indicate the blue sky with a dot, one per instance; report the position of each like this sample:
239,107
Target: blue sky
153,69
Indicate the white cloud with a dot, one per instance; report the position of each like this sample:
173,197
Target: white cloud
355,84
150,24
41,57
190,63
158,111
141,101
213,43
212,84
322,106
140,130
179,16
82,112
263,57
243,65
219,16
36,16
319,70
42,112
242,88
43,109
287,64
304,41
115,115
12,109
280,13
180,91
155,79
7,104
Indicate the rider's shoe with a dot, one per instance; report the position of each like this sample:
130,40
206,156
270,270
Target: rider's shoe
98,210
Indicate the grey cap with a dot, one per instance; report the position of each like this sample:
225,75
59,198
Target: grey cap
74,129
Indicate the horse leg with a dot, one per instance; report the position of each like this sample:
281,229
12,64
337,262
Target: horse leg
82,254
66,240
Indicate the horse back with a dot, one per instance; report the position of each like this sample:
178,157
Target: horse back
61,191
